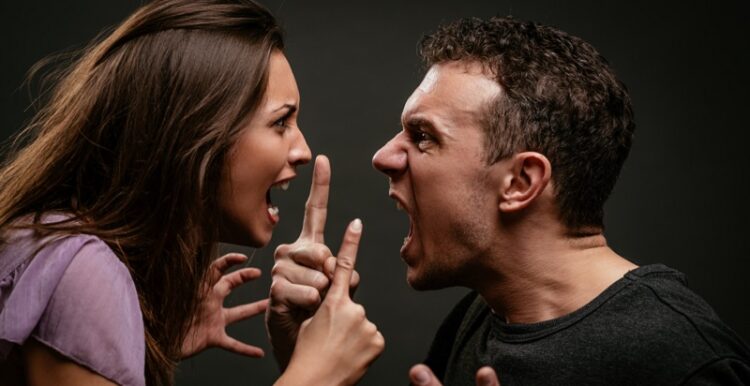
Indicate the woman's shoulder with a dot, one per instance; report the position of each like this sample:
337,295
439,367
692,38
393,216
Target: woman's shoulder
76,297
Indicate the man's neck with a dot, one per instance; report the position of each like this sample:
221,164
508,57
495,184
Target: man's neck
548,277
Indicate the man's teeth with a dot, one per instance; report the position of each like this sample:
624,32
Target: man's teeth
283,186
273,210
398,206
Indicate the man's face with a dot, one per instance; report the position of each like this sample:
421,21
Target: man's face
439,177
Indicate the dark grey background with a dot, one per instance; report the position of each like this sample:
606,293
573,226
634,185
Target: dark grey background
681,199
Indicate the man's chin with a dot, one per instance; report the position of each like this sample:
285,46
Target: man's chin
424,281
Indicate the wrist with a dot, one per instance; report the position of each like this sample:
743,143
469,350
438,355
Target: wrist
282,348
296,375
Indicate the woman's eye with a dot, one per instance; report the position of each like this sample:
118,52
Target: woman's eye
281,123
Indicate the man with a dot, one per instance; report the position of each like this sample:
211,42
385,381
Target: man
510,147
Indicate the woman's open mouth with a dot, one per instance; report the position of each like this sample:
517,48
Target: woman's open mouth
273,210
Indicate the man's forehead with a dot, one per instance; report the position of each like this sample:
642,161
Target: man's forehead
428,83
460,86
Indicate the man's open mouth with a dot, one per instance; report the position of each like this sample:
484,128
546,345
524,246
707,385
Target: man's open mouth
408,237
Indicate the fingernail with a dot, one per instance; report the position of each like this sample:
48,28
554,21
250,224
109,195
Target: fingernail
357,225
421,377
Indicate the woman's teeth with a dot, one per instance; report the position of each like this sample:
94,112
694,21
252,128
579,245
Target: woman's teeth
273,210
283,186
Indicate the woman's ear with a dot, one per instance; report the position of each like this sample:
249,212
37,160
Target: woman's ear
528,174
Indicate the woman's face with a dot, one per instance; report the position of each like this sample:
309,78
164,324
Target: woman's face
264,157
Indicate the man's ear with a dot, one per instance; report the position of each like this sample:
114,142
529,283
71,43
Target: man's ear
528,174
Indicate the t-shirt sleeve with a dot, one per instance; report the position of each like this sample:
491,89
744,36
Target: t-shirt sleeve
723,371
94,318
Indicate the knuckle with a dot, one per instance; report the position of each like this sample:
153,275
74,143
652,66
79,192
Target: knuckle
321,252
300,250
328,307
379,341
274,290
370,328
345,262
281,251
277,269
317,279
359,311
294,253
311,296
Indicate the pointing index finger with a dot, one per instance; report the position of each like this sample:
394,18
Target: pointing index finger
346,259
316,207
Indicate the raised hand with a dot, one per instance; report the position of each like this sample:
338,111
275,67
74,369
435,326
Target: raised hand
302,270
208,329
338,344
421,375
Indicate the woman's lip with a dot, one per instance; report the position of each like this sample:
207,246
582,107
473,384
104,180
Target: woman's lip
285,179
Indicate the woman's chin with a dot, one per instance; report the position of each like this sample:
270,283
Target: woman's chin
247,237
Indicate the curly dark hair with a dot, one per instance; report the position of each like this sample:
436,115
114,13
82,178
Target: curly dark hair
560,98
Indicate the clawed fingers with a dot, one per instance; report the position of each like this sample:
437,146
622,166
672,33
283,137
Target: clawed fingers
230,281
222,264
234,345
242,312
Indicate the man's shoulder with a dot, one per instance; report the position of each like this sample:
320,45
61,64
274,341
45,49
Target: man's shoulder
658,305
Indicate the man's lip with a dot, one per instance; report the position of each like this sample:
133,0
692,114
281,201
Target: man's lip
398,199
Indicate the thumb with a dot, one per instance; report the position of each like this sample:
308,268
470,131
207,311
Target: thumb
486,376
421,375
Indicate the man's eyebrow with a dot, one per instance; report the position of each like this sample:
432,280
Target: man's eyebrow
417,121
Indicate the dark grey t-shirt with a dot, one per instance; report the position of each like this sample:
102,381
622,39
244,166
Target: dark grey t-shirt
647,328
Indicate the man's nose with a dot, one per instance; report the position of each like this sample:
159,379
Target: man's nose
391,159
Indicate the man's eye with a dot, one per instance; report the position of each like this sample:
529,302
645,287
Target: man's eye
422,140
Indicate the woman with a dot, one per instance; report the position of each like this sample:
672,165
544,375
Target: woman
163,139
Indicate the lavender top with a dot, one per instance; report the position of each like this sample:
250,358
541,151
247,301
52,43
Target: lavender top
76,297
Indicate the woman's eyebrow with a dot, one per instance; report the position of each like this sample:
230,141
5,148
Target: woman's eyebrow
291,106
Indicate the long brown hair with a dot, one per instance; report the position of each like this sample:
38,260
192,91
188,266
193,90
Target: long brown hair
132,144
